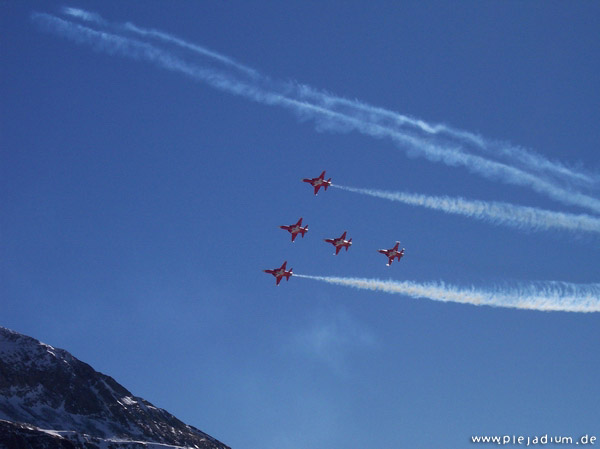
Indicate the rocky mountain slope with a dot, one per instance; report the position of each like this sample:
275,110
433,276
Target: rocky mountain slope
42,387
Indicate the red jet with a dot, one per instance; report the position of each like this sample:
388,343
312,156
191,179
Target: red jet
279,273
319,182
296,229
392,253
340,242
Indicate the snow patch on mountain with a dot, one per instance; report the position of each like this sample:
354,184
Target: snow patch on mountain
50,389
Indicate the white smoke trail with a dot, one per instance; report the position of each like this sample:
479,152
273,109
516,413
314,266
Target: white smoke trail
548,296
366,112
84,15
529,159
159,35
521,217
193,47
289,98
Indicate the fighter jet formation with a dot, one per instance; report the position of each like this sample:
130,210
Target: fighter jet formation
339,242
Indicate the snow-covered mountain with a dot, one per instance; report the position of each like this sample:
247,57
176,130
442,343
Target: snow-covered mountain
42,387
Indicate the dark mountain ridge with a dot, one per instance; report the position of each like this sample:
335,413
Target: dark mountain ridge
50,389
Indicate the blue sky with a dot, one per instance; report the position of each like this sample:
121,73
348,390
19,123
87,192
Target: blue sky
141,204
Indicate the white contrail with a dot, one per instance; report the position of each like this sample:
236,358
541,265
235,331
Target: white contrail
84,15
196,48
365,111
499,213
529,159
327,118
132,48
156,34
546,296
